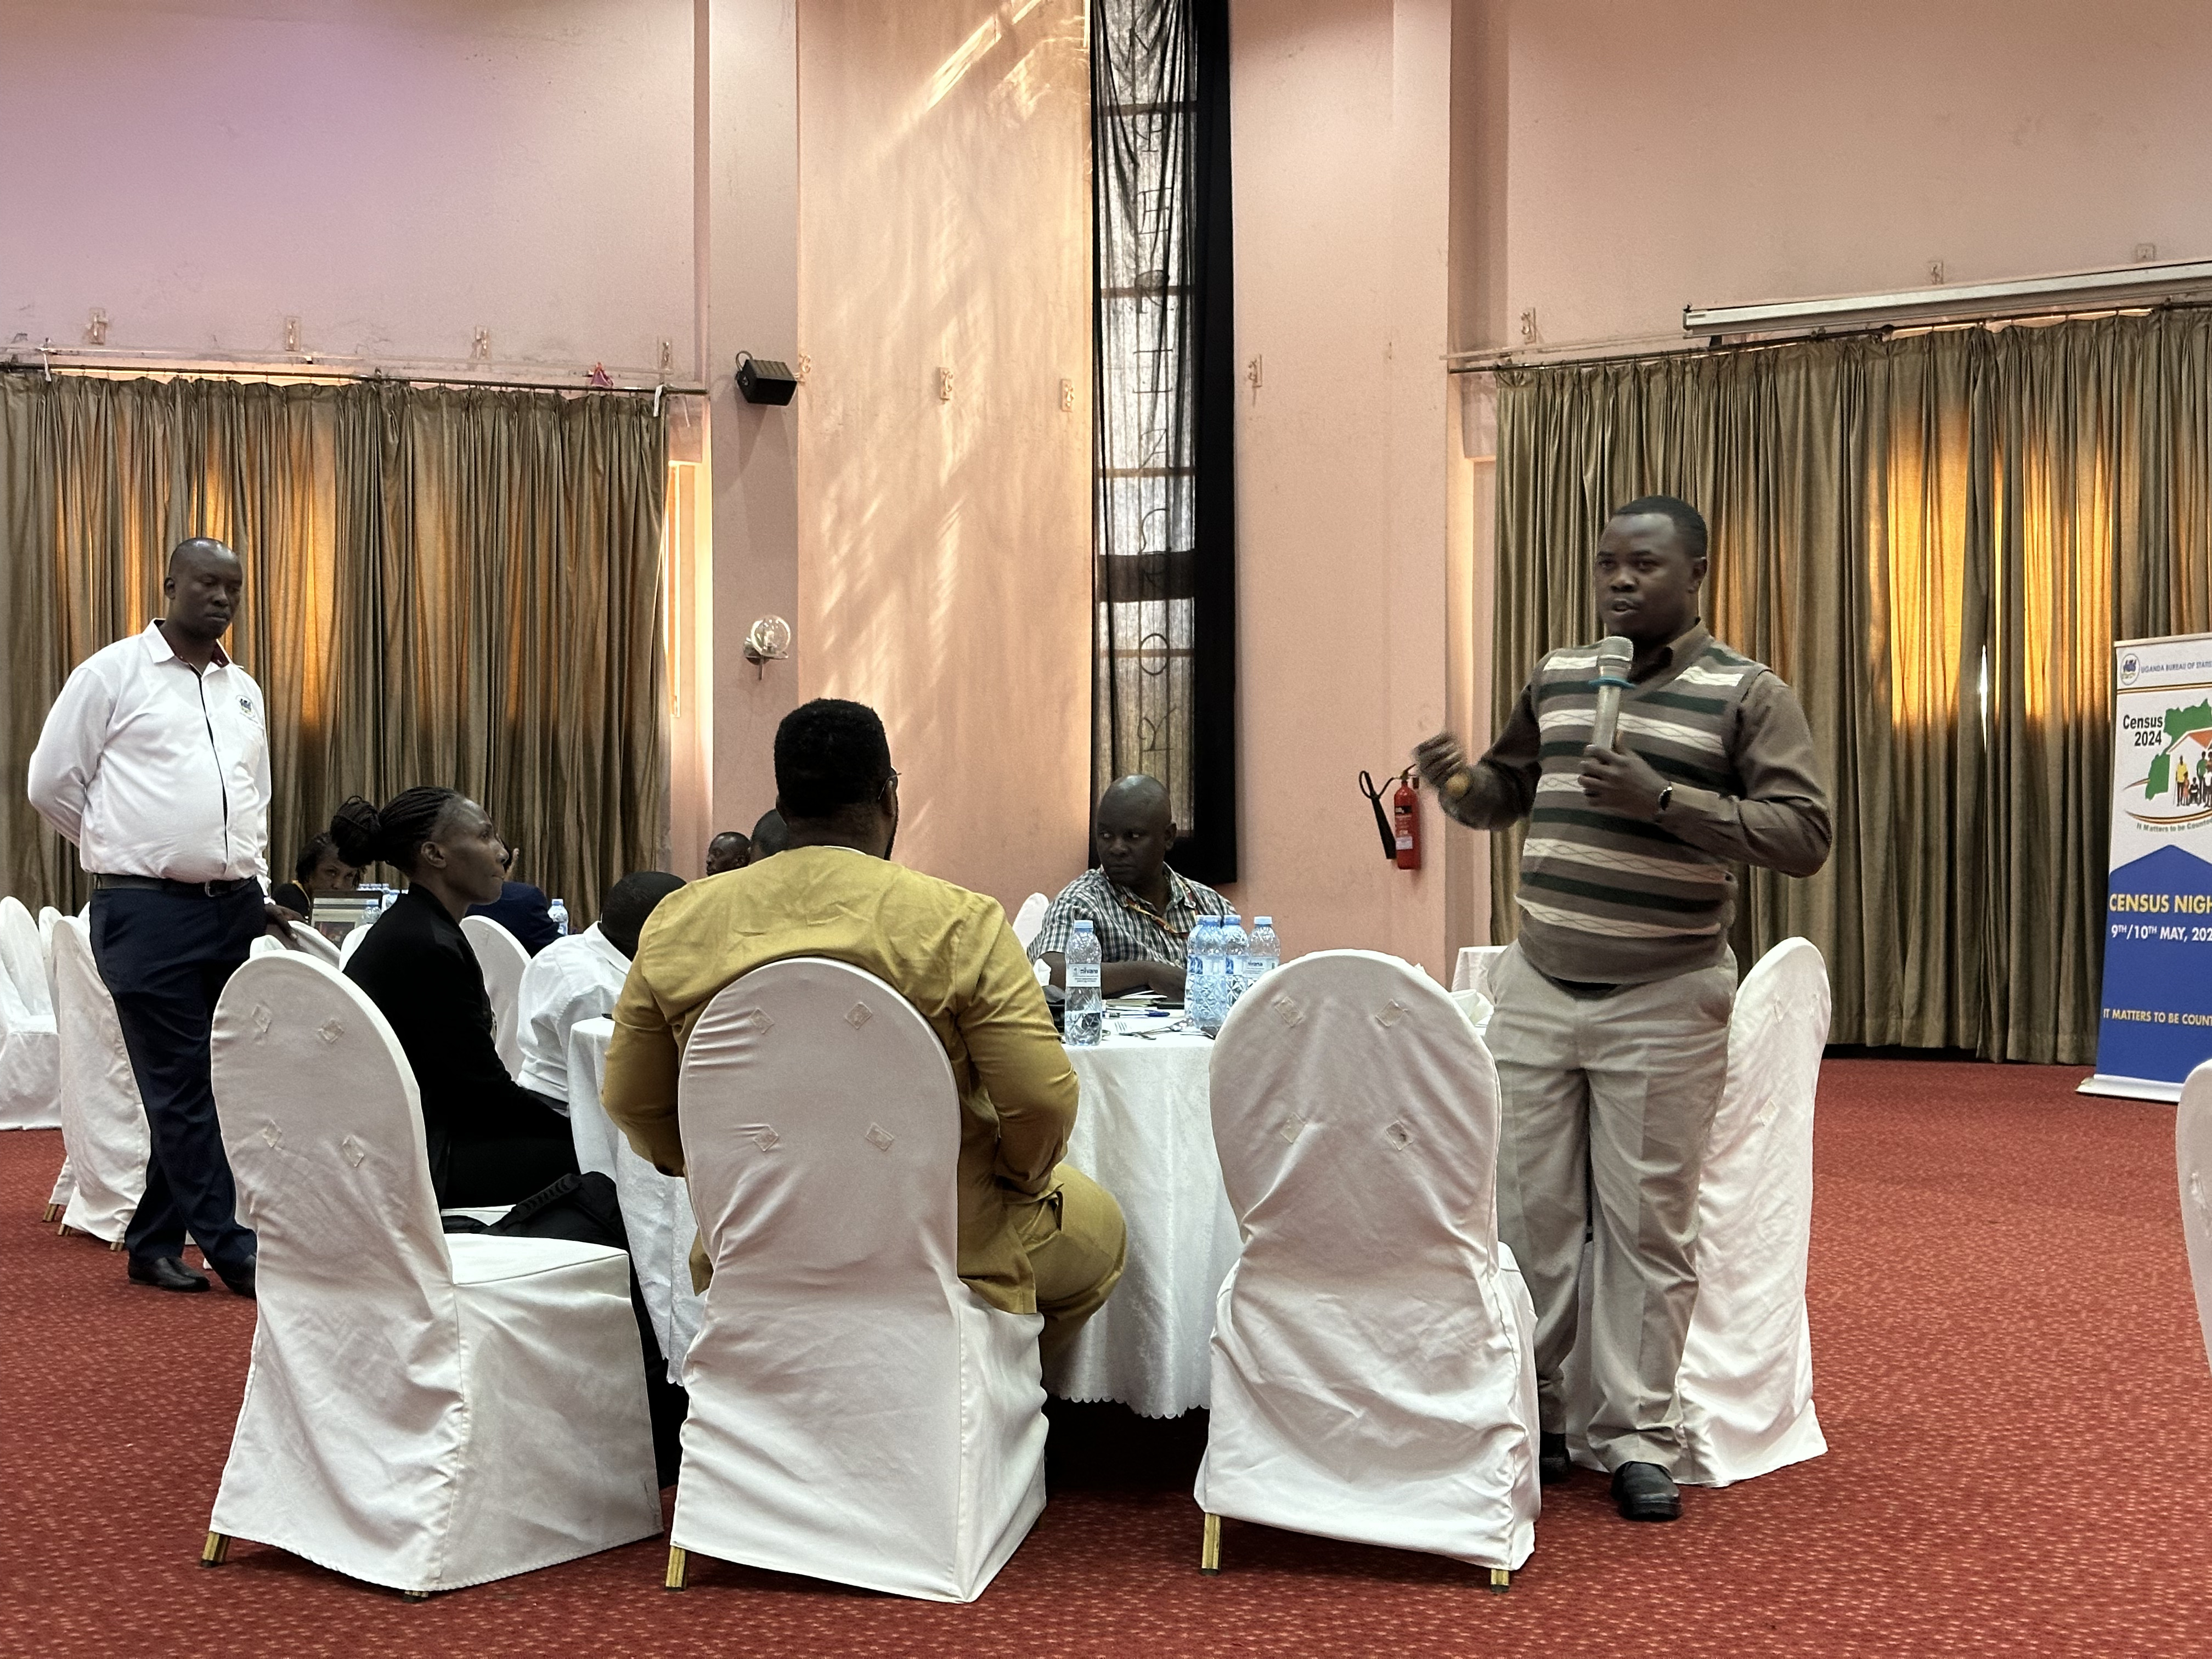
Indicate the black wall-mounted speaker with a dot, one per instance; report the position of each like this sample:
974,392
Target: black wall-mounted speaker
764,380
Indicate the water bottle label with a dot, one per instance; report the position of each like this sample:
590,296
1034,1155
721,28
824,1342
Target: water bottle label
1083,976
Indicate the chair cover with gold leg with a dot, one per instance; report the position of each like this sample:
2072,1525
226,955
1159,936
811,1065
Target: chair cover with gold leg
503,961
858,1413
2192,1152
1373,1376
103,1120
421,1411
1747,1375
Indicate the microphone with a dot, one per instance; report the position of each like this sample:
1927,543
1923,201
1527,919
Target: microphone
1615,653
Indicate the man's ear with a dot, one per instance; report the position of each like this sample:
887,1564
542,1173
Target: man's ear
1175,832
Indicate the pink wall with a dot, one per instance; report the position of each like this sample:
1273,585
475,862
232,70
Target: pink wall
1712,151
1341,134
395,175
945,546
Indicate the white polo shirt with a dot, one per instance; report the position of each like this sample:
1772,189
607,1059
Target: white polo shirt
572,979
153,769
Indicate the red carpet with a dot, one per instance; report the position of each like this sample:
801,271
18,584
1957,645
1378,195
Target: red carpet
2009,1371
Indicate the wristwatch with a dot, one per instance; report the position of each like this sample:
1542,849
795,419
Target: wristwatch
1665,795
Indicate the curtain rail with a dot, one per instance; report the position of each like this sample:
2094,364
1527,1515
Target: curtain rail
1717,345
43,361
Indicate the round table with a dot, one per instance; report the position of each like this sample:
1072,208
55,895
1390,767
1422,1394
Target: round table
1144,1130
656,1208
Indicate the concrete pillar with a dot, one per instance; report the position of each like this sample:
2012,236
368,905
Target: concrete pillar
747,218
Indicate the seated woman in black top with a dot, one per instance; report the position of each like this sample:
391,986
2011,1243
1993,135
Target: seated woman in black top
490,1141
318,871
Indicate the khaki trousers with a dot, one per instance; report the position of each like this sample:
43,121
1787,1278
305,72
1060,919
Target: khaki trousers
1076,1244
1609,1096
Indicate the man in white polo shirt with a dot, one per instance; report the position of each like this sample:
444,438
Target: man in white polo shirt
155,761
580,977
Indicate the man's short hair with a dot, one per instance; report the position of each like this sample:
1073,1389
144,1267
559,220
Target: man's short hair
830,755
1689,523
629,902
771,836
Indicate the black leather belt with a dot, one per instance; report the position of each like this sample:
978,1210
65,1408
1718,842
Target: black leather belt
180,888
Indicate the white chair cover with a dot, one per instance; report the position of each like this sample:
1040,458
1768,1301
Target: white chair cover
47,921
504,962
352,942
2192,1157
103,1120
421,1411
1029,920
30,1051
656,1209
858,1413
1373,1372
64,1186
1747,1374
24,962
307,941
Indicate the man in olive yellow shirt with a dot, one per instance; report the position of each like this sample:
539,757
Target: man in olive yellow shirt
1037,1234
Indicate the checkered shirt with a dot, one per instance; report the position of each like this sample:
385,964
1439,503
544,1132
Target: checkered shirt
1128,929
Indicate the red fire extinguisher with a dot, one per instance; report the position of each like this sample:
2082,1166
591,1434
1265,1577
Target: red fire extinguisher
1406,821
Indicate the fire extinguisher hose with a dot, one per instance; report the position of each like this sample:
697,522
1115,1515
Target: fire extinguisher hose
1381,816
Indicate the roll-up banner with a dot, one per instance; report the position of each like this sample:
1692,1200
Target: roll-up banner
2156,1023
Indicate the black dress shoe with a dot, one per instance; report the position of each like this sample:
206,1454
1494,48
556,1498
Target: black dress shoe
1644,1491
167,1273
241,1281
1553,1463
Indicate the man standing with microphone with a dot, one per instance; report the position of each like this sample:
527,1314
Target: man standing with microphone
1612,1022
155,761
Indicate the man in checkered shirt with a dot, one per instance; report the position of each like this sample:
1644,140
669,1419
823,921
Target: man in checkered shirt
1142,911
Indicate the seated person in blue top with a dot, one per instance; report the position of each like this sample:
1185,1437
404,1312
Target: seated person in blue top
522,909
1142,911
490,1141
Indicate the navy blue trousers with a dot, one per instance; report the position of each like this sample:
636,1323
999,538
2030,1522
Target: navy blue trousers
166,958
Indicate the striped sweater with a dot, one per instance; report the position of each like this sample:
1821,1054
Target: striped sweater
1615,900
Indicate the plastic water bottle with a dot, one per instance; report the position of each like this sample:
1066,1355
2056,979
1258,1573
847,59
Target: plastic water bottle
1264,952
559,912
1233,946
1201,994
1086,1018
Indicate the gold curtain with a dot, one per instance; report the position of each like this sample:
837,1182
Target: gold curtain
1936,540
449,587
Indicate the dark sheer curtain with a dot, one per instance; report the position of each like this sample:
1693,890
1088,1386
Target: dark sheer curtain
1936,539
1163,584
443,586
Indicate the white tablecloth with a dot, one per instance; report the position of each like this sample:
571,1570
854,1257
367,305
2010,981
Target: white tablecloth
1473,970
1145,1132
656,1208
